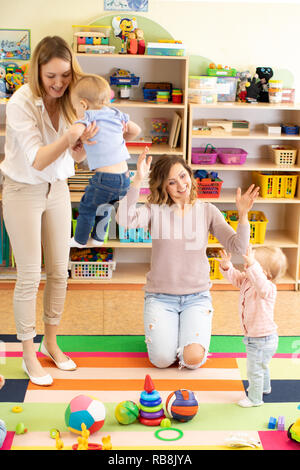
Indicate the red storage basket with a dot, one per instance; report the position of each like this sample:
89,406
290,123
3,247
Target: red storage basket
208,188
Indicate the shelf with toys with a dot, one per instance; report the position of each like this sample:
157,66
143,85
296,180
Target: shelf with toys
259,153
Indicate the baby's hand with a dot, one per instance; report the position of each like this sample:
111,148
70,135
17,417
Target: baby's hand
2,381
249,257
75,132
225,260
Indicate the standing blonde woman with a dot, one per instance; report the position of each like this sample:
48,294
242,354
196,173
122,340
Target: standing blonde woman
36,201
178,309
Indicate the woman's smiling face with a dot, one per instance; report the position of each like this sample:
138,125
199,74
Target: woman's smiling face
56,76
179,184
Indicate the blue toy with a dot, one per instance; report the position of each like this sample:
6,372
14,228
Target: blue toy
272,423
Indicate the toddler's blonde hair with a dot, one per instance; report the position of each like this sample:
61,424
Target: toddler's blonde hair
272,260
94,89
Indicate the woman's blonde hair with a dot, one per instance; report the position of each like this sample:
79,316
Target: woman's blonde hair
158,180
47,49
94,89
272,260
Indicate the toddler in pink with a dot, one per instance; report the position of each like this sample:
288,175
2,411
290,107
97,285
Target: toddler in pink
263,267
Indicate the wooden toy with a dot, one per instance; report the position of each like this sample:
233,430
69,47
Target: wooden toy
182,405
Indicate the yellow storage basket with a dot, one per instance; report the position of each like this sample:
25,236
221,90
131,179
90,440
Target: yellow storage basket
258,224
276,185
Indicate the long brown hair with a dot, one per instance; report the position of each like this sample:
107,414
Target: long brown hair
47,49
158,180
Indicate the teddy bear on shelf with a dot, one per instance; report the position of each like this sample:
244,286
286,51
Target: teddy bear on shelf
264,74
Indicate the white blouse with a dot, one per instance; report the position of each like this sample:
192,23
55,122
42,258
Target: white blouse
28,127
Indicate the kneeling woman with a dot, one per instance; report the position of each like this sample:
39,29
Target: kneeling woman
178,309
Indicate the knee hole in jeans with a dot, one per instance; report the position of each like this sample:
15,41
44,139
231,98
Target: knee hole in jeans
193,354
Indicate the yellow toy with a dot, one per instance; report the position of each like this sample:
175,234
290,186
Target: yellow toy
106,441
83,439
58,442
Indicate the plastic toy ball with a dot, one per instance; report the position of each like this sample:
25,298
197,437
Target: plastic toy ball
87,410
126,412
182,405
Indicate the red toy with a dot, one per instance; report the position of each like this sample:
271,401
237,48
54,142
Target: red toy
151,407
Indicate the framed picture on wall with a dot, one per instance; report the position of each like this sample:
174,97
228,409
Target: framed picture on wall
126,5
15,44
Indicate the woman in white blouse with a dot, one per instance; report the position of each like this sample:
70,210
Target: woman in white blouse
36,201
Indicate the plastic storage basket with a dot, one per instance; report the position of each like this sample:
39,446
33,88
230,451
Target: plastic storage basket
214,264
134,235
258,224
208,188
274,185
232,156
205,156
283,154
92,270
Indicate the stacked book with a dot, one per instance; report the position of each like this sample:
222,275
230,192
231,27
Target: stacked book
79,181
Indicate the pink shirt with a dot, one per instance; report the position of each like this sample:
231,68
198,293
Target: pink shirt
179,264
257,299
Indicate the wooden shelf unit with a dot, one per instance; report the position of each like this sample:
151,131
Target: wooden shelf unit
283,229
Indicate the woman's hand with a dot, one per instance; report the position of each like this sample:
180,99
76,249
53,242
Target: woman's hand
225,259
244,202
143,167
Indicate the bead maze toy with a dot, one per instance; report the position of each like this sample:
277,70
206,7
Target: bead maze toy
151,407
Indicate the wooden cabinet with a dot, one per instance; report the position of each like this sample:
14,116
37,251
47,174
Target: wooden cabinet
283,214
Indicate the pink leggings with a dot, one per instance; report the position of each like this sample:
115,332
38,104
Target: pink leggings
38,216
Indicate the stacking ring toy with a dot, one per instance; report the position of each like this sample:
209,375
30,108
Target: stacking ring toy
155,415
151,409
179,436
150,396
150,402
17,409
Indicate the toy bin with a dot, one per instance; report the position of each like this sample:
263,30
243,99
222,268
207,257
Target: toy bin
258,224
214,264
276,185
283,154
202,82
209,188
202,96
83,265
232,156
204,156
134,235
161,48
226,88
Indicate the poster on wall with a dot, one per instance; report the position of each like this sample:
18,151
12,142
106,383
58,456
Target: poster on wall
126,5
15,44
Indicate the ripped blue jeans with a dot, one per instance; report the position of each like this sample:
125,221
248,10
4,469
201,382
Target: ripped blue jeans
173,322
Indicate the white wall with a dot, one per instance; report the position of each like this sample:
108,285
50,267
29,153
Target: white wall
240,34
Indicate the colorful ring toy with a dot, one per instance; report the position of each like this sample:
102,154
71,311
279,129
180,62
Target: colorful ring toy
179,436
